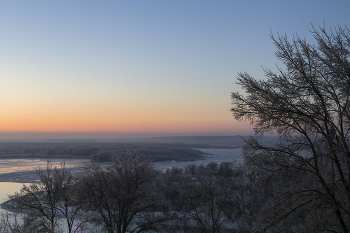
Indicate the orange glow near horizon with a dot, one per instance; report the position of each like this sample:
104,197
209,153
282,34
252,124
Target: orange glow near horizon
98,122
128,117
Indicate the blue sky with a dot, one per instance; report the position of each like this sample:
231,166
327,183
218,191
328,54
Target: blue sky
140,67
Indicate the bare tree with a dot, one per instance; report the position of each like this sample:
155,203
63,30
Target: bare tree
308,106
124,195
49,200
203,202
13,223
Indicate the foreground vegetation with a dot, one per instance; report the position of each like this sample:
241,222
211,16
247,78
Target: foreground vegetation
130,195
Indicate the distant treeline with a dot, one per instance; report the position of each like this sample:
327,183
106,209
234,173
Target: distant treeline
97,152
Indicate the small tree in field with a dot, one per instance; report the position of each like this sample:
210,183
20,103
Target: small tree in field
308,106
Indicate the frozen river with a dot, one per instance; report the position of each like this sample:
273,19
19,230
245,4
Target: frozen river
22,165
23,170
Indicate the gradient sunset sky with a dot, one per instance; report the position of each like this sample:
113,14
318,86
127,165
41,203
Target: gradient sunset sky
75,69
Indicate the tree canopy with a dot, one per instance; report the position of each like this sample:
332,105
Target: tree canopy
308,106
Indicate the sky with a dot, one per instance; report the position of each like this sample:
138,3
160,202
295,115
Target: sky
114,69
